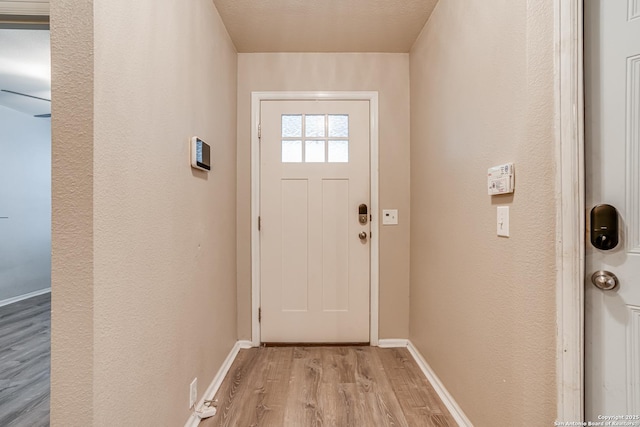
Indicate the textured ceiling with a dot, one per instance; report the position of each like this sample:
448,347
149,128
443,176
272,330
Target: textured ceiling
324,25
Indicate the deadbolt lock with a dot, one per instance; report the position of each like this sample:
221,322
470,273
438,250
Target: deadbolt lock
604,227
363,214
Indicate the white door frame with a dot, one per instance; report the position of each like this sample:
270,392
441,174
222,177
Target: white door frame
256,98
570,184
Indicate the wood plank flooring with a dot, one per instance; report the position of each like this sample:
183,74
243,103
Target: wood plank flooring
25,360
327,386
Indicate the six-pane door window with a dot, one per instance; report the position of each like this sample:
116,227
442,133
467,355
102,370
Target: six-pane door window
315,138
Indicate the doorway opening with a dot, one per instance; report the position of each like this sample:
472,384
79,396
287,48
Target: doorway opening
371,98
25,219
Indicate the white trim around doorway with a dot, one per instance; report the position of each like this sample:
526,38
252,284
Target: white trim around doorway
256,98
25,8
570,212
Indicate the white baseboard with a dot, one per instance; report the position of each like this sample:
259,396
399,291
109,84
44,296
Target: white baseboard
447,399
193,421
393,343
24,297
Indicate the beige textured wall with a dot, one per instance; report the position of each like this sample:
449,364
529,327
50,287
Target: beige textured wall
389,75
72,213
155,241
483,307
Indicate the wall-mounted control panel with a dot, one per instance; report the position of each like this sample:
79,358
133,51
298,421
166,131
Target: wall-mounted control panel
200,154
501,179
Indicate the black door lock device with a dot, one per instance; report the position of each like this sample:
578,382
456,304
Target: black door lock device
604,227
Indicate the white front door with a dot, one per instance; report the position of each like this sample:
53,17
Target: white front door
314,251
612,131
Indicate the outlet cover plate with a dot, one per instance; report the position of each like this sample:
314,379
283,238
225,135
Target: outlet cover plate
390,217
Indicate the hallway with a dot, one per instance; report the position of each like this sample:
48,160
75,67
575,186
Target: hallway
327,386
152,261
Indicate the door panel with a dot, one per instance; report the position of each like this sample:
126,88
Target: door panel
612,131
294,267
335,245
314,163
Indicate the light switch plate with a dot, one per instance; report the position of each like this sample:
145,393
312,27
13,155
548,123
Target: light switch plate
390,217
503,221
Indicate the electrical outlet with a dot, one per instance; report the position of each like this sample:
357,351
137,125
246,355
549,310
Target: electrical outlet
193,392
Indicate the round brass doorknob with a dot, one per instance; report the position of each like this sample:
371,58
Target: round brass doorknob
363,235
604,280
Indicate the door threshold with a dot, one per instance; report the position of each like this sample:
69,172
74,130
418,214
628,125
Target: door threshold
315,344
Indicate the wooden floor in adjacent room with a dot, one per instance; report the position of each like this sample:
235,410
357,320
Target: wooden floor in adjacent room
327,386
25,360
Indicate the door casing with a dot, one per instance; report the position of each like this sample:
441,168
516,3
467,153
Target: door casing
256,98
570,185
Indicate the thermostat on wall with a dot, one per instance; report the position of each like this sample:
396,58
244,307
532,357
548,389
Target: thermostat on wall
200,154
500,179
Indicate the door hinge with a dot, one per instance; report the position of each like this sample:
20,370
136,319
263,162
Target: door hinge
259,131
259,223
260,315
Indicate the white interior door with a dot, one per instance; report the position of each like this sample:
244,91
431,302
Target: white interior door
314,252
612,131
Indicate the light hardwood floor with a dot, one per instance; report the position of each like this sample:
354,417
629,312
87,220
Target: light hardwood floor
25,360
327,386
